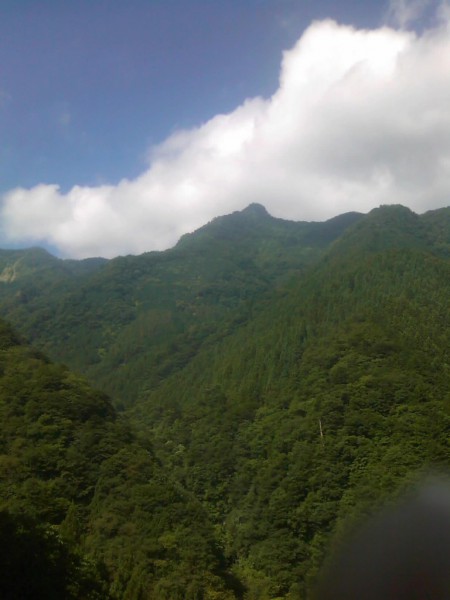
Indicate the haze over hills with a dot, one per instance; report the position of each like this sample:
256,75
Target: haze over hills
287,376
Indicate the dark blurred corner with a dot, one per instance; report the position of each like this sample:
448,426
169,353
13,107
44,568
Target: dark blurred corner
403,553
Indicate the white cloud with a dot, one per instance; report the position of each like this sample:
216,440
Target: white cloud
361,118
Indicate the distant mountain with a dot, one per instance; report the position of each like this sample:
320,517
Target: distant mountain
254,230
28,263
128,322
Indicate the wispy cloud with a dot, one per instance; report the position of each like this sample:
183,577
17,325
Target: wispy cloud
360,118
64,118
402,13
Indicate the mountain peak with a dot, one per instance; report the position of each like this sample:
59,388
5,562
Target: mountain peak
238,224
256,210
392,212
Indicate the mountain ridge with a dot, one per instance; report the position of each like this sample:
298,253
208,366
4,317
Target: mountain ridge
210,276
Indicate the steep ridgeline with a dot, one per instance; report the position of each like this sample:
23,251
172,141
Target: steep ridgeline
86,511
128,323
333,397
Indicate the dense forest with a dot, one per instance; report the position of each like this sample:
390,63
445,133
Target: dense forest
261,385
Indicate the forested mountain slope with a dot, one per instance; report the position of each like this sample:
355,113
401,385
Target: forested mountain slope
129,322
333,397
86,510
288,376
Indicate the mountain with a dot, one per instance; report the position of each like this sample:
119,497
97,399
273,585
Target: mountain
285,377
34,263
129,322
331,398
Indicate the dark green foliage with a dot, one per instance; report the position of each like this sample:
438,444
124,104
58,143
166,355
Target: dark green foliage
285,379
35,562
78,491
358,348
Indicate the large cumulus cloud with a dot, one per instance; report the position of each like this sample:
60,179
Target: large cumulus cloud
360,118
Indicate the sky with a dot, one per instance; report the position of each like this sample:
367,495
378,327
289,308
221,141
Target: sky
124,125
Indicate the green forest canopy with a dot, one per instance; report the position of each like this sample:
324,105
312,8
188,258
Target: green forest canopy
275,380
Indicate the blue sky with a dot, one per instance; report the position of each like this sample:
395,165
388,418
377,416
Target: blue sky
99,96
89,86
